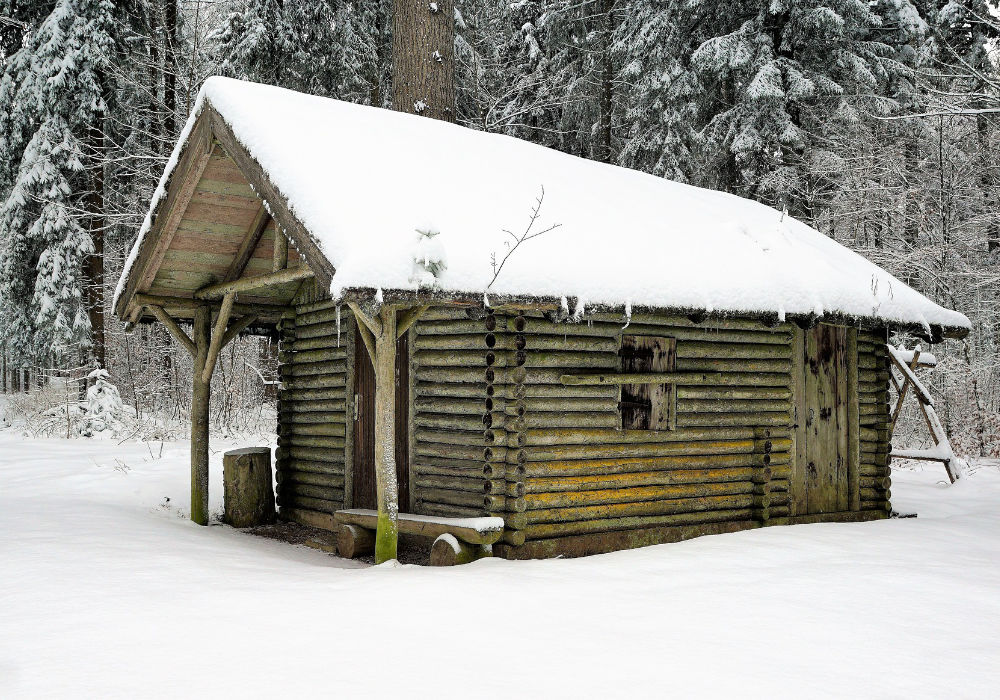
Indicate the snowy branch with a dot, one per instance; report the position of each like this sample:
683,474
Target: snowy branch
518,240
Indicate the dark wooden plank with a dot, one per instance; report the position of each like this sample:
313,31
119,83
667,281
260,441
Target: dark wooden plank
648,406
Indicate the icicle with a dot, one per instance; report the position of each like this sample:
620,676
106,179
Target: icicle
628,313
486,301
338,325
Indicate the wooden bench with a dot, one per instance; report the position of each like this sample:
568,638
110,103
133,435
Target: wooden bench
457,540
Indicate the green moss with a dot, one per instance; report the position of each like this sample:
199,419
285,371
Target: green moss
386,539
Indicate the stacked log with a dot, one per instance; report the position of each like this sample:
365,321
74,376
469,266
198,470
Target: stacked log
312,409
455,422
873,410
728,460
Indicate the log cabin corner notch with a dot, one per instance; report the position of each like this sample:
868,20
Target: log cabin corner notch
646,416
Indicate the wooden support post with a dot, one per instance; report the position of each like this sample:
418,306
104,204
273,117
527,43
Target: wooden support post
200,397
215,347
386,489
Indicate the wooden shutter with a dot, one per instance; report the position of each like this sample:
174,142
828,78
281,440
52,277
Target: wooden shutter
648,406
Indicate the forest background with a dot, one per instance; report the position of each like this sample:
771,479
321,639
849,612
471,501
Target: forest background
877,122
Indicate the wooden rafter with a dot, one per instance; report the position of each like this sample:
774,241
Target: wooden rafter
237,327
174,329
246,284
408,318
249,244
218,334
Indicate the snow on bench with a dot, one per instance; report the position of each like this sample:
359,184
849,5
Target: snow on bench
471,530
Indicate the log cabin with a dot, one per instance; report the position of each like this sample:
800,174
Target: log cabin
591,357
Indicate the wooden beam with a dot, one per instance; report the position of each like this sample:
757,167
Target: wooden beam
189,304
171,326
215,347
367,338
249,244
170,210
409,317
280,261
236,328
677,378
276,200
245,284
374,324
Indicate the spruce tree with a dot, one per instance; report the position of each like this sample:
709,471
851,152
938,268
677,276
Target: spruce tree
51,98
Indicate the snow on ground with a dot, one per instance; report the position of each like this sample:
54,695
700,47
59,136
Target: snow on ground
107,590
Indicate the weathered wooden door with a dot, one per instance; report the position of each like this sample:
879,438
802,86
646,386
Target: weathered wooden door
363,483
822,431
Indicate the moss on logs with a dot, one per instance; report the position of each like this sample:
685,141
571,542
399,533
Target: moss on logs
634,494
294,490
313,441
875,494
733,394
316,504
294,431
582,527
876,504
557,480
619,510
686,466
685,420
732,406
327,479
470,484
307,395
296,383
449,510
291,412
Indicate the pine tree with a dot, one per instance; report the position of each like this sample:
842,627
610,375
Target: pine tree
328,48
51,98
772,73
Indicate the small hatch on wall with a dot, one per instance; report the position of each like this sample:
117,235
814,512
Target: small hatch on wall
648,406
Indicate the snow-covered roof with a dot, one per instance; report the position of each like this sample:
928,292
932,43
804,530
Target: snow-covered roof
365,182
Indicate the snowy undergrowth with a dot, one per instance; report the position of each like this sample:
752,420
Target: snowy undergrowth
108,590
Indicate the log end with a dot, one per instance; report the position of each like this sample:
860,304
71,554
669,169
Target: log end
448,550
354,541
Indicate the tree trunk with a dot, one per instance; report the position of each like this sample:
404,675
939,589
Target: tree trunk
603,146
200,398
423,71
170,69
95,263
386,488
248,493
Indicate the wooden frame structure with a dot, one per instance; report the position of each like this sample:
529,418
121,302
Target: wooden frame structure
513,410
906,364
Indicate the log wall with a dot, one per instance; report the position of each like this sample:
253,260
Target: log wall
494,430
313,409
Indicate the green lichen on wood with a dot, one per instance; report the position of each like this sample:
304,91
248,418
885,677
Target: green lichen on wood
386,538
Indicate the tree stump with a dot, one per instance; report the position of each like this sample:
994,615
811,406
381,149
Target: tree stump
249,495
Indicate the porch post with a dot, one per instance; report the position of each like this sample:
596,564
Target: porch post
386,488
200,396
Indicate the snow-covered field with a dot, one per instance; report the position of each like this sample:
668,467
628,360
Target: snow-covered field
107,590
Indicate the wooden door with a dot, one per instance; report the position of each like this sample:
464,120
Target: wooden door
363,480
822,431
